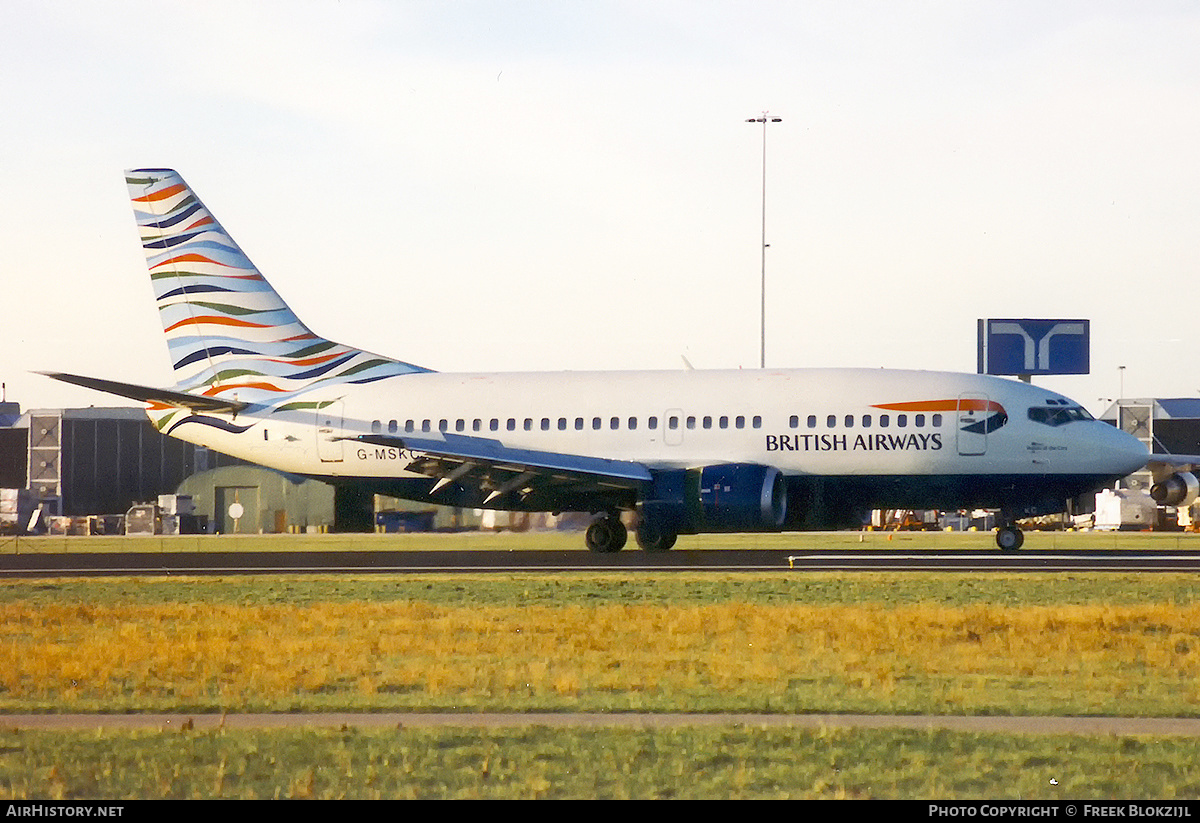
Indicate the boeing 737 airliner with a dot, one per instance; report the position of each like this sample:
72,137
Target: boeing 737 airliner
688,451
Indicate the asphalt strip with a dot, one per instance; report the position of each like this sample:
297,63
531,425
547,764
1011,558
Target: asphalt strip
1185,726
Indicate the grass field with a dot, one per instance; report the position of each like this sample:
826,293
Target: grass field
688,763
900,643
955,643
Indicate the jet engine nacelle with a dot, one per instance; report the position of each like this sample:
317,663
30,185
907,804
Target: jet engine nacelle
1180,489
730,497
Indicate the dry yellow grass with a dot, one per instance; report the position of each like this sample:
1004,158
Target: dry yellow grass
731,655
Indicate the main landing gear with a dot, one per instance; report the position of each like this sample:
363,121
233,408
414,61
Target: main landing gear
608,534
654,538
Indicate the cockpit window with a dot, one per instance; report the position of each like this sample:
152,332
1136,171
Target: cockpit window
1058,415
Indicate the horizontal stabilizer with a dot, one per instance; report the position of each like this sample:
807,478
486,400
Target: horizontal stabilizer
147,394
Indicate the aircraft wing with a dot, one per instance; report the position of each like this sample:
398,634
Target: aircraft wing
148,394
499,470
1163,465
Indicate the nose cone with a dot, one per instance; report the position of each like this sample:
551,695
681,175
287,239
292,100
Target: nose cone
1117,452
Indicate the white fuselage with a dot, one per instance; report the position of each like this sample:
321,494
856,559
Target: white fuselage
822,422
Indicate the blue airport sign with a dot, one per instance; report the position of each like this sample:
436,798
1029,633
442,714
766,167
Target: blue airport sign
1027,346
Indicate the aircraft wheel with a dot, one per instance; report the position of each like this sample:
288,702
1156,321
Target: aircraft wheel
653,539
619,533
606,535
1009,538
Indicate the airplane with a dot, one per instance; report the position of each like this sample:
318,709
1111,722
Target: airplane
689,451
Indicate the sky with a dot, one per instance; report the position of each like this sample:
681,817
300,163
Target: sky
572,185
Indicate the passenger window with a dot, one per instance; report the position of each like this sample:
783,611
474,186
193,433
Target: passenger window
528,424
426,426
901,420
919,421
562,424
812,421
937,420
545,424
512,424
866,421
849,421
376,427
706,422
831,421
691,421
578,424
460,425
757,422
632,423
652,423
596,423
672,423
615,423
409,426
392,426
883,421
724,421
443,425
494,424
739,422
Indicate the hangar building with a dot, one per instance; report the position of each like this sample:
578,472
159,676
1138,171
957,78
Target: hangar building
76,462
104,461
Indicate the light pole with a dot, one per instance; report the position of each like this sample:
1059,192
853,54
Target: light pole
762,310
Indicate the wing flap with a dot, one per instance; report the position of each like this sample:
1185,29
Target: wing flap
501,470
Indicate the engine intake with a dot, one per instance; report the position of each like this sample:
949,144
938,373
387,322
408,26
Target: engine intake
1180,489
729,497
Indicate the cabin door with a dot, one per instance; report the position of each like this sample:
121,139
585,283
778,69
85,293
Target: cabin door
329,429
972,424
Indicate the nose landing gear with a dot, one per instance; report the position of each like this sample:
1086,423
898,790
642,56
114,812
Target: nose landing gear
1009,536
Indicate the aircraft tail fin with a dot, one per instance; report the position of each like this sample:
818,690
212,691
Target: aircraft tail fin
229,333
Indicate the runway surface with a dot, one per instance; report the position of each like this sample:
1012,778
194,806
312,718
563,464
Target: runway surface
75,564
1188,727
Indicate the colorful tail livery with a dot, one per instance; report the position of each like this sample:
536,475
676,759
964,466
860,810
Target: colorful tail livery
680,452
229,334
